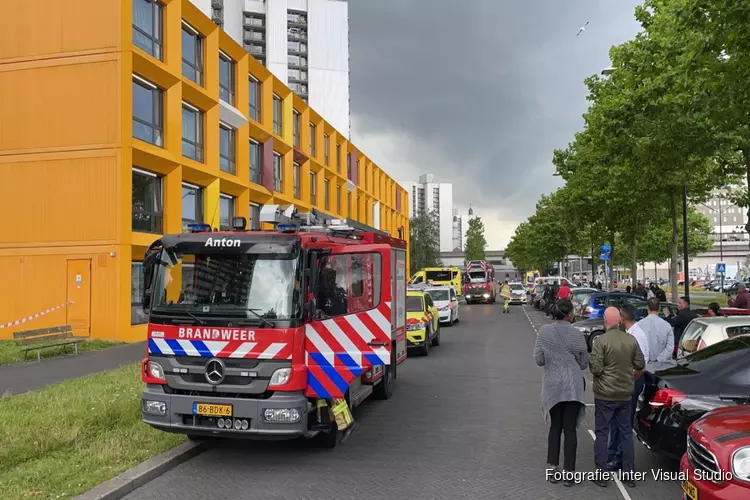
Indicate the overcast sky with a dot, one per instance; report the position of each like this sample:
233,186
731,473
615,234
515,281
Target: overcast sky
478,92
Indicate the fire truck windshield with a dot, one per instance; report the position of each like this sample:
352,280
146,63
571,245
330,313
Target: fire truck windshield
477,276
234,285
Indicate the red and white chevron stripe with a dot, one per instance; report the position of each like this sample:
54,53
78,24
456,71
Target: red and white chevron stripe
33,316
350,336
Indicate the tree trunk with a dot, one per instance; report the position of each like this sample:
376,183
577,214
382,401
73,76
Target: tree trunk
611,281
673,246
634,262
746,154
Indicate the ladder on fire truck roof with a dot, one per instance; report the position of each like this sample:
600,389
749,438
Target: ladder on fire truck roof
315,220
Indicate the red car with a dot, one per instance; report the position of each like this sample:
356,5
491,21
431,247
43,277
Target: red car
717,463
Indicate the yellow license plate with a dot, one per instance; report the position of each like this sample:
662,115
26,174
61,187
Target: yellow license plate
691,492
210,410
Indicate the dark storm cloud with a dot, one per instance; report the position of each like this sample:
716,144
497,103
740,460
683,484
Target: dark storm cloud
493,85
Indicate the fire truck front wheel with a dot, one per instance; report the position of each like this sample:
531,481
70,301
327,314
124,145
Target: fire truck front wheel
384,390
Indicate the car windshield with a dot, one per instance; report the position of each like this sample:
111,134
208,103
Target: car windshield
414,304
438,275
477,276
516,286
244,285
440,295
692,335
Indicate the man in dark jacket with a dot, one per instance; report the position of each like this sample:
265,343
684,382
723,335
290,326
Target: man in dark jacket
742,300
616,362
681,320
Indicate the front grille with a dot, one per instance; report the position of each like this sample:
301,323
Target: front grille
214,394
477,291
701,458
200,378
242,363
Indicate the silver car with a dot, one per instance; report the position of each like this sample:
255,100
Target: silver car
703,332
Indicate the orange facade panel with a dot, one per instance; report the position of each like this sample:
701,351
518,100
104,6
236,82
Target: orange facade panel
54,108
60,201
46,28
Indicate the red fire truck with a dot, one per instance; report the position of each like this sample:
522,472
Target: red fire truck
248,330
480,284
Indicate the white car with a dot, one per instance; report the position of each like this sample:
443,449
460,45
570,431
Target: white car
704,332
517,293
446,301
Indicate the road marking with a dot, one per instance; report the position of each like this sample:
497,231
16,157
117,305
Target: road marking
529,318
619,484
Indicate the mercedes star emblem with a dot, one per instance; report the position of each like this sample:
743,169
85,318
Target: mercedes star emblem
215,371
699,430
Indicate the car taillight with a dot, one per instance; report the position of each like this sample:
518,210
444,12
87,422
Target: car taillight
588,310
667,398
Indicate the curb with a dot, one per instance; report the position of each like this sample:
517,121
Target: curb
128,481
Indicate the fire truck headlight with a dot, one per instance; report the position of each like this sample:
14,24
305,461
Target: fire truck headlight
154,407
486,295
280,377
468,296
155,370
281,415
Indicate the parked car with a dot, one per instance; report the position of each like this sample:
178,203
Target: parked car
580,294
422,321
674,398
703,332
718,444
725,311
446,301
518,293
592,328
596,303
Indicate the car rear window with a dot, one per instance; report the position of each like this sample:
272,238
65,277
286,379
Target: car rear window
691,337
599,300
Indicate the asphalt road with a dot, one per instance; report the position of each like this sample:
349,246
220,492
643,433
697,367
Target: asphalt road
464,423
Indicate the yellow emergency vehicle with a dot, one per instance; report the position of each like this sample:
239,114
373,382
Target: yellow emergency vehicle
422,322
450,276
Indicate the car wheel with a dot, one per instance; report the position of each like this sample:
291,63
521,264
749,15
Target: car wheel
592,337
436,340
426,345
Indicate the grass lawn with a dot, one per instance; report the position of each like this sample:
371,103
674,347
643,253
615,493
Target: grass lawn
65,439
11,353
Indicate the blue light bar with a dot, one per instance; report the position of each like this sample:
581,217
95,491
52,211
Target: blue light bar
199,228
287,228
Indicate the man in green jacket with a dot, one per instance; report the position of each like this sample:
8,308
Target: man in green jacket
616,362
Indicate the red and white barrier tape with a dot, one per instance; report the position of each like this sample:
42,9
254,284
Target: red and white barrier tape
34,316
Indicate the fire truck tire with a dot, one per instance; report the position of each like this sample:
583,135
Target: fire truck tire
384,390
328,439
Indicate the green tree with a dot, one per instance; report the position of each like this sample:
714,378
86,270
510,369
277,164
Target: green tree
476,244
424,241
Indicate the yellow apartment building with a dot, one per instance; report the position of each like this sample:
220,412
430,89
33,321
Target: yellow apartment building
116,128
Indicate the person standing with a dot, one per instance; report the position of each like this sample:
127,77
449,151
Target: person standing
658,332
564,291
505,293
616,361
561,350
627,316
681,320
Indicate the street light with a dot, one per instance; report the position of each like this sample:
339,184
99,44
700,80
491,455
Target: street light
608,70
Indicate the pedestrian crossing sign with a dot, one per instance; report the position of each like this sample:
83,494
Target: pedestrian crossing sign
721,268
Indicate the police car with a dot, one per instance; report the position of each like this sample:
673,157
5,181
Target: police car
446,301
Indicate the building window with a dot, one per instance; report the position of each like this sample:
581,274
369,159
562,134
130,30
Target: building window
296,124
192,132
192,205
147,27
148,112
313,140
137,316
297,51
338,199
278,172
325,148
226,78
226,212
192,54
296,179
277,114
255,99
326,194
338,158
254,222
313,188
147,211
254,35
256,160
227,149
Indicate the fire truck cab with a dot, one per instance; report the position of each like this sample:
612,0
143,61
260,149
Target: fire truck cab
481,284
248,330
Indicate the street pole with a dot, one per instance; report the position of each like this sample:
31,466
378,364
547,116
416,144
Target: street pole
685,241
721,242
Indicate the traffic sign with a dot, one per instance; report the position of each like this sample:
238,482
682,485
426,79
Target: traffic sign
606,249
604,256
721,267
555,265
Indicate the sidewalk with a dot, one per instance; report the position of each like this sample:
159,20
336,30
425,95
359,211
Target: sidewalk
31,375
